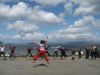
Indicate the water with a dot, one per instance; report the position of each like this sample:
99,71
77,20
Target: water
21,51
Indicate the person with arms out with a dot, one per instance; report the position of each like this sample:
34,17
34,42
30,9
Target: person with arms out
63,52
42,51
2,51
12,52
29,52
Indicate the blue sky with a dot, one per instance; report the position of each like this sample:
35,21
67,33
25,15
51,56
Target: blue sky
24,21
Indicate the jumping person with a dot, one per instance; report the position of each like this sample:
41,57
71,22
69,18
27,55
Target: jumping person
12,53
42,51
29,52
2,51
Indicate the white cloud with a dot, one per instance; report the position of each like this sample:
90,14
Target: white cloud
32,37
22,26
22,11
69,7
81,30
87,7
50,2
45,17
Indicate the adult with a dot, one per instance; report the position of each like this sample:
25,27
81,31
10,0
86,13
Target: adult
12,52
42,51
2,51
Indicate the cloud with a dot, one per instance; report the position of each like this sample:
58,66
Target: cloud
50,2
87,7
81,30
69,7
21,11
23,38
28,37
22,26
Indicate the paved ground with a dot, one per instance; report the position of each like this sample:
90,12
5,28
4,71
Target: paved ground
24,66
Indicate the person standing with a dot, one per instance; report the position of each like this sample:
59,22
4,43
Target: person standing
94,52
87,52
12,52
2,51
55,52
73,54
79,53
46,47
42,51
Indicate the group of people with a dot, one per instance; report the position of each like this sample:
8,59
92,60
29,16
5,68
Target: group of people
43,51
91,51
12,52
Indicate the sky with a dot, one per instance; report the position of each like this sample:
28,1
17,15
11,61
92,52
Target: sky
27,21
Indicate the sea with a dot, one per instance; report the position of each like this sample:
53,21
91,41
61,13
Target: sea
21,49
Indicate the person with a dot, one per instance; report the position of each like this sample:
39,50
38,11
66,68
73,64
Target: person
29,52
73,54
2,51
87,52
63,52
94,52
42,51
12,52
55,52
46,47
79,53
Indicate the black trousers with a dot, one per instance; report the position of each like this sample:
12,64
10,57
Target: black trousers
94,55
63,54
3,53
87,55
30,54
48,53
55,53
12,55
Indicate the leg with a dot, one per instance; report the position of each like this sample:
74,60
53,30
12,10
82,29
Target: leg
27,54
54,54
61,55
14,55
48,53
4,55
10,55
44,54
37,56
31,54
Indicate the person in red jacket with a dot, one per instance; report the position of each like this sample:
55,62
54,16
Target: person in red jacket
42,51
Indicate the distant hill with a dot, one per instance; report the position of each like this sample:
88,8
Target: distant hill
77,44
1,43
